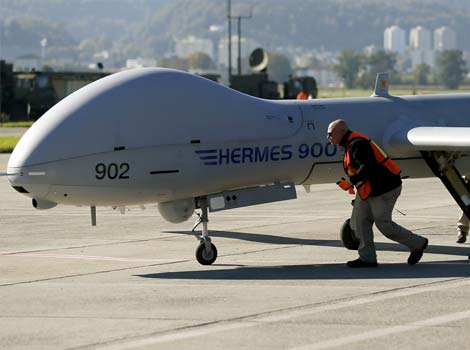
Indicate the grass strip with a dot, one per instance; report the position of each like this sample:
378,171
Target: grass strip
8,143
24,124
394,90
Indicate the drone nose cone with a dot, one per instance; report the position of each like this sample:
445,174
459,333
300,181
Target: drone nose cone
33,181
17,163
14,176
29,162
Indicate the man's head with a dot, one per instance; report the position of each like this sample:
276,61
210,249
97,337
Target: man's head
336,130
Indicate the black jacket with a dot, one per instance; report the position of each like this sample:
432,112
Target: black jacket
362,156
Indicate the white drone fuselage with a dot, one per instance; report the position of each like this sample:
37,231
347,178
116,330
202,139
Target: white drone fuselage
160,135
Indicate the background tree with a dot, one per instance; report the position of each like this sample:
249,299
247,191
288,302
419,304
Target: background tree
279,67
174,62
421,74
377,62
451,68
347,68
200,60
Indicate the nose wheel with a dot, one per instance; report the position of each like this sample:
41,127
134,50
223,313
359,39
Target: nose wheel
206,252
205,256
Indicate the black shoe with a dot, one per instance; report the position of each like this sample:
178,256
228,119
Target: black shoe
462,237
416,255
361,263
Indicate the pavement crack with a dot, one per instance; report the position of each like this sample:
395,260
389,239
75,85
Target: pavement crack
87,246
90,273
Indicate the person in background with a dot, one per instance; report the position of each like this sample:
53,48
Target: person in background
302,95
463,222
462,228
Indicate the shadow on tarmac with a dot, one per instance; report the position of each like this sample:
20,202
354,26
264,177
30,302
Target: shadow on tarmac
446,269
270,239
439,269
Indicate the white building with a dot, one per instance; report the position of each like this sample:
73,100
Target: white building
420,39
421,51
370,50
445,39
191,44
248,46
395,39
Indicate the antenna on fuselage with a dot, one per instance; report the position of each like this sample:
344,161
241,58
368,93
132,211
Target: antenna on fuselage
381,85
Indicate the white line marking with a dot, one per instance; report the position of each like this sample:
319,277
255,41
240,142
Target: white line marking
87,257
37,173
281,315
430,322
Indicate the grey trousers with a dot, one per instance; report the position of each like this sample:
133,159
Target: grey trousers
378,210
463,223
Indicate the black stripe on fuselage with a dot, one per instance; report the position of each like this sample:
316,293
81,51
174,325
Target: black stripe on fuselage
158,172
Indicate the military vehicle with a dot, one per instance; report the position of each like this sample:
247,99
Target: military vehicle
28,95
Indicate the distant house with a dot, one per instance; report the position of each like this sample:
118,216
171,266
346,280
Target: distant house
140,62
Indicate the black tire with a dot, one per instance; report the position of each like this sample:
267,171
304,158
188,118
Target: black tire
202,257
348,237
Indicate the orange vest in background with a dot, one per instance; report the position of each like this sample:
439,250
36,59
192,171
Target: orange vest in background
364,187
302,96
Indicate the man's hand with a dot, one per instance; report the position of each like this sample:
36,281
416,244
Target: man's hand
346,185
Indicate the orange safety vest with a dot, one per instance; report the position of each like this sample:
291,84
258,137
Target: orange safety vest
364,187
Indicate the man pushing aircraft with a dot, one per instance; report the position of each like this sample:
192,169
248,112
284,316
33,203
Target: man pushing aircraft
377,183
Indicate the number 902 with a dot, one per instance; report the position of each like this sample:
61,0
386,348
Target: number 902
112,171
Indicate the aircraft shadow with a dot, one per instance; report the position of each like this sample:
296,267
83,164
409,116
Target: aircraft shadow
446,269
271,239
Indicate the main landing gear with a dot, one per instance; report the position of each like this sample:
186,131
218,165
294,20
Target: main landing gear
443,166
206,252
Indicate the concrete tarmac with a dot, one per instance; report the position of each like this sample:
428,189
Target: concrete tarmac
280,281
12,131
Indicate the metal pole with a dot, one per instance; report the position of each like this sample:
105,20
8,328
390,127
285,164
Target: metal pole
239,24
1,66
239,19
229,21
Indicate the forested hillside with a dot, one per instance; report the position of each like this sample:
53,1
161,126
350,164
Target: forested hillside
332,24
149,26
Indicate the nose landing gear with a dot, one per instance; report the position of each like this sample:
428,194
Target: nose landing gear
206,252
